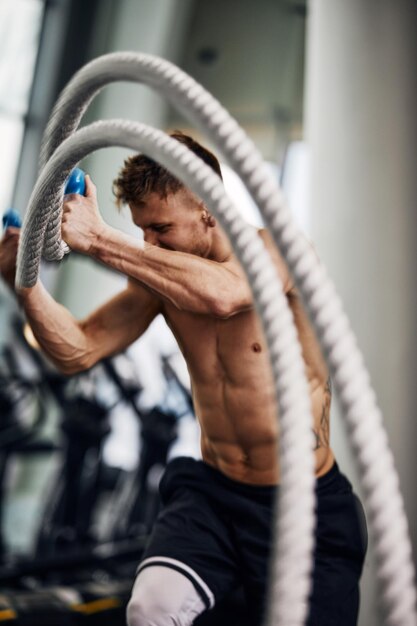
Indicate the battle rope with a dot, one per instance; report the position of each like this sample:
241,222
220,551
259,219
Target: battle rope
383,501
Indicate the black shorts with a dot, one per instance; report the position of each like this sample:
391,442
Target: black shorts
217,532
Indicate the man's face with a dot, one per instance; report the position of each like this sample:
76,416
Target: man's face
176,222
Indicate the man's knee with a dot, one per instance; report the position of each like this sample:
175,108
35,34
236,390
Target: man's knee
163,597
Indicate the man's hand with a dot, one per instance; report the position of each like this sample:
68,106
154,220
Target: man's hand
8,254
82,223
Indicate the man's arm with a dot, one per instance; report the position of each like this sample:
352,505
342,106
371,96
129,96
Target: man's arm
8,254
187,281
75,345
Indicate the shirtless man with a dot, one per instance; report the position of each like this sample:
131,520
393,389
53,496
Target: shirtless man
213,533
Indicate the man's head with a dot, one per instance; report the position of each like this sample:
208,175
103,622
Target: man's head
170,215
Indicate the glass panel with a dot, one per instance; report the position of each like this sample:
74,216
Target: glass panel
20,25
295,185
11,135
295,182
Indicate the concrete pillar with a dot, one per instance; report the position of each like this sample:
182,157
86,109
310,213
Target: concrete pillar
361,124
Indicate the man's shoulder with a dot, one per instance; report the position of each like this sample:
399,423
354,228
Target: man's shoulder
277,259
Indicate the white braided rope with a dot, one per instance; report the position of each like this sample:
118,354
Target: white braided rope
377,473
285,352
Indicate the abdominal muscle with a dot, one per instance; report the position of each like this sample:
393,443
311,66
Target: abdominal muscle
235,438
240,438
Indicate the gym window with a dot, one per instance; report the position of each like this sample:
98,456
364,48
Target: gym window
20,31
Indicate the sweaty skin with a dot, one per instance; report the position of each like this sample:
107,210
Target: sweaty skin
186,271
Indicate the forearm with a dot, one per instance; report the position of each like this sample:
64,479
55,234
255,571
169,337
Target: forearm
58,333
189,282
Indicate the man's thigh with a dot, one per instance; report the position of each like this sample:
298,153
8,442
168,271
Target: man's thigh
340,553
190,537
339,556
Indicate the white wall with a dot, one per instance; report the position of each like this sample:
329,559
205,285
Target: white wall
361,123
152,26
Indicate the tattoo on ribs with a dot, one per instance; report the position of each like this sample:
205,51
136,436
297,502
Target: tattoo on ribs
328,388
322,433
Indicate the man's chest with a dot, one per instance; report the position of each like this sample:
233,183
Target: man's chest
214,346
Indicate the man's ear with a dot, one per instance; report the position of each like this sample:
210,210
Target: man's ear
208,219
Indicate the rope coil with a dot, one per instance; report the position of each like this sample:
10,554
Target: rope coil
350,377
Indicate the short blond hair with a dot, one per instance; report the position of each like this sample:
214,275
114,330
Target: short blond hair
141,175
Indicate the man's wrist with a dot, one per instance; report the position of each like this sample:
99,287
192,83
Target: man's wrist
101,241
27,297
24,293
